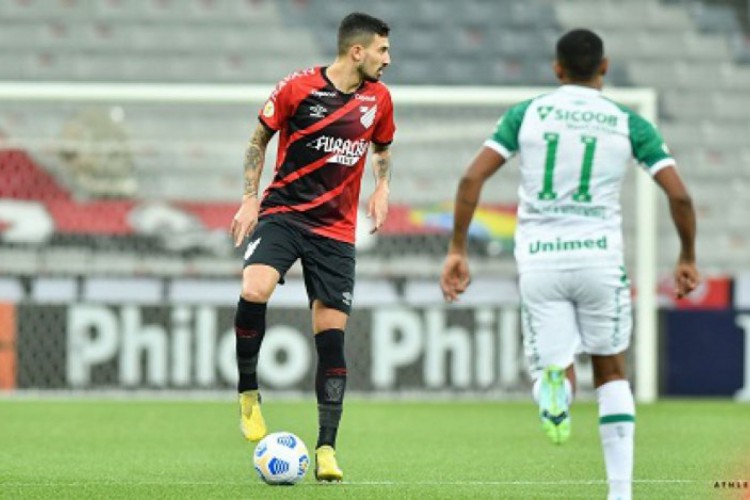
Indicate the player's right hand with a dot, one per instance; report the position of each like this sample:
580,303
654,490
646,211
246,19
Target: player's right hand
245,220
455,277
686,278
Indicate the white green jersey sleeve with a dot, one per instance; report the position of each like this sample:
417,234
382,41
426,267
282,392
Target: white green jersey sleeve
574,147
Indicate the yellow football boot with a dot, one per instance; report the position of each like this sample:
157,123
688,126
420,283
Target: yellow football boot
326,467
252,425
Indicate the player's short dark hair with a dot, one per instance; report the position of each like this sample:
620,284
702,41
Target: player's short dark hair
580,53
358,27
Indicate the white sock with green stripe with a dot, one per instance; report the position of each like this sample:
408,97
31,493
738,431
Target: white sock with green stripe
616,429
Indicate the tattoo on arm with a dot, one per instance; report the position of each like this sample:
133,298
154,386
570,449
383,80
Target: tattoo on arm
254,158
382,162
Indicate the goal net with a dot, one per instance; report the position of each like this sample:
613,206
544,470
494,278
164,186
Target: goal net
117,271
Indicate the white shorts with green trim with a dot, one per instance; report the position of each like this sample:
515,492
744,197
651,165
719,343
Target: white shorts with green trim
569,311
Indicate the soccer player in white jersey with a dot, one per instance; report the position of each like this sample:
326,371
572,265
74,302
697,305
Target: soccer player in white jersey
575,146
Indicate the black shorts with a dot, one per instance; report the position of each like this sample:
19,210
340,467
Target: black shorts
327,264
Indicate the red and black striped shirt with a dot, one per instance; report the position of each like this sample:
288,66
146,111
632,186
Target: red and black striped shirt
324,137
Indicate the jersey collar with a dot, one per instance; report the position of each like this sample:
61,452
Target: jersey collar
580,90
329,82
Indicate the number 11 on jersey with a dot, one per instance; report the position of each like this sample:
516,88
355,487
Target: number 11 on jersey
582,193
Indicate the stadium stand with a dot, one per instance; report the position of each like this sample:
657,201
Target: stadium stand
695,54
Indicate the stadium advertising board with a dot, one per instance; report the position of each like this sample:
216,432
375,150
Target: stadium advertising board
101,333
96,345
705,348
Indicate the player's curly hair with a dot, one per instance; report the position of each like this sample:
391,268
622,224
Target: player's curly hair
580,53
359,27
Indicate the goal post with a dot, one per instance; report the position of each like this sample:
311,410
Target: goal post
429,133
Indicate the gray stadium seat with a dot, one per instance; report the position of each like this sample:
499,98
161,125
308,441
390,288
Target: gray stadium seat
36,9
514,42
464,41
705,47
691,105
541,72
617,74
26,34
715,18
533,14
419,41
18,260
429,11
411,71
736,77
461,71
740,47
734,105
483,13
160,10
253,12
602,15
106,35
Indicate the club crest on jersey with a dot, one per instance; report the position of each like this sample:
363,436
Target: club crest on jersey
318,111
368,115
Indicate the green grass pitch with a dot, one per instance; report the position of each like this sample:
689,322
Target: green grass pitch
389,450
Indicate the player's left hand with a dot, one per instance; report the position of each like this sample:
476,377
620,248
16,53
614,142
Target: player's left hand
244,220
686,278
455,277
377,207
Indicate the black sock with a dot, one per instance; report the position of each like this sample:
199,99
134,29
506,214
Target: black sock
249,328
330,384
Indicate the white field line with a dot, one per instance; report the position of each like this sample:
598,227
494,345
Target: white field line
357,483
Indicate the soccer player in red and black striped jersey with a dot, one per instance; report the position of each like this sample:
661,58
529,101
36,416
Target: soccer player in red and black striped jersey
327,118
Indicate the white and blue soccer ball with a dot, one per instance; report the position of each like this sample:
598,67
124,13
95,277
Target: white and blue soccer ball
281,458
